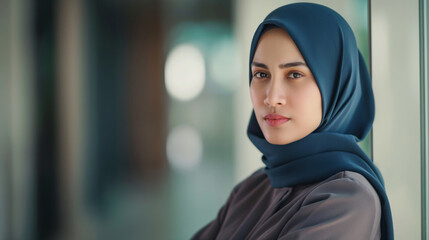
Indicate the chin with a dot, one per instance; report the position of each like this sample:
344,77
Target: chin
278,140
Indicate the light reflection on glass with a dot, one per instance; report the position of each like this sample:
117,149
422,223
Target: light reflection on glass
184,148
184,72
225,64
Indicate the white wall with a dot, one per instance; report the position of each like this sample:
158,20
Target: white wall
396,130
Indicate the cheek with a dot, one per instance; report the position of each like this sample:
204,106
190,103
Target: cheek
315,106
309,102
252,95
316,99
256,96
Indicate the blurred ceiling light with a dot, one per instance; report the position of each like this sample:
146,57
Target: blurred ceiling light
184,72
184,148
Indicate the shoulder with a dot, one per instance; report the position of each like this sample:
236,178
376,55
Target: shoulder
350,184
348,196
344,206
348,188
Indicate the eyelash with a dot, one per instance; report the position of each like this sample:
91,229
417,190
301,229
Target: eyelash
289,74
293,73
256,74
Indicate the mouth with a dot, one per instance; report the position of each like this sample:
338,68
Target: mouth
275,120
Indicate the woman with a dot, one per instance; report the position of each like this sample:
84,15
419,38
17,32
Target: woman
312,100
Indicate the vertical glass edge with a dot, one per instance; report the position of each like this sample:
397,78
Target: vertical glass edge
423,11
371,135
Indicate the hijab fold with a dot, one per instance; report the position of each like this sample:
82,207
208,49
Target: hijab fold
329,48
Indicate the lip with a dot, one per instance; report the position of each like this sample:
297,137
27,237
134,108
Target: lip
275,120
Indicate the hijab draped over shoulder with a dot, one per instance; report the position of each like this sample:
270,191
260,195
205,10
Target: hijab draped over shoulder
329,48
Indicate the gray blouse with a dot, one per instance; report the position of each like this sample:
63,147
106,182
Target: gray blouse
344,206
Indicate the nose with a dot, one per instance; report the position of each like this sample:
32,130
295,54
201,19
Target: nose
276,94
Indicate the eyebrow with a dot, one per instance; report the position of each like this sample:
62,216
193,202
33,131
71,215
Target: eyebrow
284,65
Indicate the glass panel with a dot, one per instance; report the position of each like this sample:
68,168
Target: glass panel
157,160
200,78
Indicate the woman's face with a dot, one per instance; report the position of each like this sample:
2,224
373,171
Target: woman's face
285,96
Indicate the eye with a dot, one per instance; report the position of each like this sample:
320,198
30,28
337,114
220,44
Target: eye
295,75
260,75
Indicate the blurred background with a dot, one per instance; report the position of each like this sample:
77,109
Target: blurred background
127,119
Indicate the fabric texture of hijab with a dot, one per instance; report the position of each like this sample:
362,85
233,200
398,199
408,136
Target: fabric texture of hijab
329,48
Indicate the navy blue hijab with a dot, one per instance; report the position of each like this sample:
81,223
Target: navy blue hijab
329,48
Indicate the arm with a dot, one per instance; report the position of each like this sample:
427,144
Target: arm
344,208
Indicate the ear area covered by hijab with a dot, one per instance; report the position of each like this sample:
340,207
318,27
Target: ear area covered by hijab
329,48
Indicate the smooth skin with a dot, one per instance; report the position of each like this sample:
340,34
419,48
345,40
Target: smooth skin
283,84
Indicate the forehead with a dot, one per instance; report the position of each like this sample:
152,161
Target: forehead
276,44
